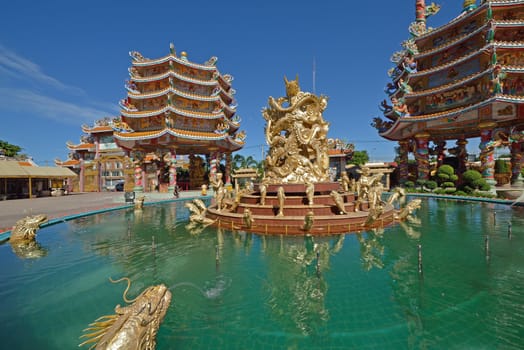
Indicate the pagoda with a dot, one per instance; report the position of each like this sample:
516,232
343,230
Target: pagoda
97,159
462,80
177,107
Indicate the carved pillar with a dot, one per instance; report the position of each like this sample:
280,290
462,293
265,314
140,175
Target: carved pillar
487,161
82,175
213,166
422,156
403,160
517,159
462,156
228,168
172,171
139,178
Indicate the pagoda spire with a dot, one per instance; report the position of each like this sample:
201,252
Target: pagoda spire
420,10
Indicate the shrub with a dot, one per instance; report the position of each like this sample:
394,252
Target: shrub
501,166
450,190
409,184
448,184
439,191
421,182
431,184
461,193
446,173
474,180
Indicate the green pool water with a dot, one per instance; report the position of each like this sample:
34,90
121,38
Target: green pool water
363,292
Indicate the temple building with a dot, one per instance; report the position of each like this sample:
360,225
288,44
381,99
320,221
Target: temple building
97,160
460,81
176,107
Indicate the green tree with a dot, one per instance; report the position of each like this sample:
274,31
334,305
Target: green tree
8,149
239,161
359,158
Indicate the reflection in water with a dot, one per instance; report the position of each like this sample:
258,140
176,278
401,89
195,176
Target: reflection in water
371,249
276,291
294,282
29,250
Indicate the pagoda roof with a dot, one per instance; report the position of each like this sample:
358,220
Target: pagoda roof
81,146
175,110
189,95
467,15
67,163
144,62
165,75
196,141
403,127
96,129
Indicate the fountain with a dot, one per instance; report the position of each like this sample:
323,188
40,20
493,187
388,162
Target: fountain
297,195
365,290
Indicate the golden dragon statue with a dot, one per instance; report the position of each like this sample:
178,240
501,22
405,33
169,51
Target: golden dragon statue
25,229
134,326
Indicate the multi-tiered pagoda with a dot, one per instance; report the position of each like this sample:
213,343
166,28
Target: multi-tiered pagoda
177,107
97,160
462,80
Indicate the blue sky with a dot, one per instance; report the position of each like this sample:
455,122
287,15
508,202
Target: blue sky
64,63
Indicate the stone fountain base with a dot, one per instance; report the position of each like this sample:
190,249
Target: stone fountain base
326,215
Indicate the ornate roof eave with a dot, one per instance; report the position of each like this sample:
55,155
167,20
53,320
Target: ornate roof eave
168,74
191,114
402,122
96,129
151,62
186,134
177,92
450,43
81,146
507,69
443,88
462,17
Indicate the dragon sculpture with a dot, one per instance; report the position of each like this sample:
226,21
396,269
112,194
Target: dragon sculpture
134,326
25,229
197,210
405,212
297,137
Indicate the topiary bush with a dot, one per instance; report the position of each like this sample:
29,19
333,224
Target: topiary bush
409,184
431,185
447,184
473,180
446,173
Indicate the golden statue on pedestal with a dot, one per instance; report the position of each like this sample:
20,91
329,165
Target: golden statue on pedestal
297,137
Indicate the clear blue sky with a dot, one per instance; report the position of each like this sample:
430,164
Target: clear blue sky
64,63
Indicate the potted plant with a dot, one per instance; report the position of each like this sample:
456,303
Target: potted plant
502,172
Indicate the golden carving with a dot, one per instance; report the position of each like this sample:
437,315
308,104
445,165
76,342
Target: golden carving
133,326
296,134
25,229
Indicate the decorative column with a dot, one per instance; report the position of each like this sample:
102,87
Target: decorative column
228,168
82,175
422,156
139,177
487,148
462,157
517,159
172,171
213,166
403,160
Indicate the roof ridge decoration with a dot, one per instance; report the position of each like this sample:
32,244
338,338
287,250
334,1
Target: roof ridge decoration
422,12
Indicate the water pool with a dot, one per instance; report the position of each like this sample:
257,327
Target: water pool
363,292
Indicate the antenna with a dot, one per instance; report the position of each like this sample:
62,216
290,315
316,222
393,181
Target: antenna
314,75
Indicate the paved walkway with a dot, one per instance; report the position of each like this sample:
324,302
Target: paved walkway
76,203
